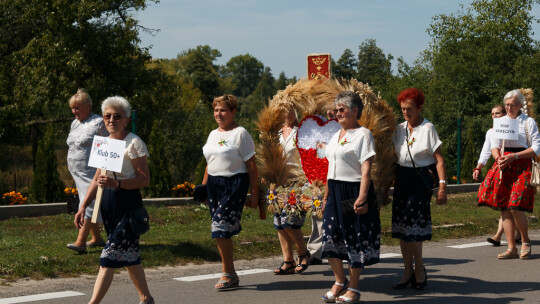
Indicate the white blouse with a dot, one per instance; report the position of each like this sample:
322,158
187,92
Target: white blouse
289,147
534,137
486,148
227,152
345,156
135,148
423,142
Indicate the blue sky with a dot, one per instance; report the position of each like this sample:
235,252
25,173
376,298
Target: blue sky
282,33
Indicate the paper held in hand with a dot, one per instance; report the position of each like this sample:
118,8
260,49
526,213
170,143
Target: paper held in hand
505,128
106,154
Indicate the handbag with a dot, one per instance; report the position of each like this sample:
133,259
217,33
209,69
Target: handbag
535,168
347,206
428,176
138,220
200,193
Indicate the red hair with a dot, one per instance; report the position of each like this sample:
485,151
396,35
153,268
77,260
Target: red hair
411,93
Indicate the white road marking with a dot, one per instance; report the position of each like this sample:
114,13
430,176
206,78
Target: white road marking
462,246
41,297
218,275
389,255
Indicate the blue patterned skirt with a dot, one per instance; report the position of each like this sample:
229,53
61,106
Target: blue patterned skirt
282,220
352,237
411,211
226,199
122,247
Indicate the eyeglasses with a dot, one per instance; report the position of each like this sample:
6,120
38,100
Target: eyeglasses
108,116
340,110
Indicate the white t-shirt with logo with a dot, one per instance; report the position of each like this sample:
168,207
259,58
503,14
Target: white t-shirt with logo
226,152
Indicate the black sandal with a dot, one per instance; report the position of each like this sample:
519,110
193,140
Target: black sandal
303,266
288,270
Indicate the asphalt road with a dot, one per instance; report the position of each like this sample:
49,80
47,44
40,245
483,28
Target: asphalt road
456,275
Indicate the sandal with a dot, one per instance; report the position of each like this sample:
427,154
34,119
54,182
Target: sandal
228,285
288,270
329,297
301,267
525,253
344,299
508,254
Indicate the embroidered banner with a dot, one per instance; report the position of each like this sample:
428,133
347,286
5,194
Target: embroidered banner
319,66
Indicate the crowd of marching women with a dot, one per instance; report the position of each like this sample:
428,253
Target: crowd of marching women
345,205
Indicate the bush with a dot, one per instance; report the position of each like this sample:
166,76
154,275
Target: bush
46,185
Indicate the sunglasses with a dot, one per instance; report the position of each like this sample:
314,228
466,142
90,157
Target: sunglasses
340,110
108,116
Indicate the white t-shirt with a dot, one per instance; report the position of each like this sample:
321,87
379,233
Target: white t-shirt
227,152
345,156
423,142
486,148
534,137
135,148
289,147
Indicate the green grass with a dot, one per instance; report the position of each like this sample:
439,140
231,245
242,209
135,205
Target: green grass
35,247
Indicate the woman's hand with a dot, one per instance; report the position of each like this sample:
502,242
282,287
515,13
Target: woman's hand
361,206
505,160
79,218
106,182
475,174
441,194
324,200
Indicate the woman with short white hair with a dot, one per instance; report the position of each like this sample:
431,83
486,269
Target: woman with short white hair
511,191
120,195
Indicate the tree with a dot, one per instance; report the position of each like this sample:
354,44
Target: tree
160,176
245,71
264,91
46,185
197,66
346,65
475,57
374,67
48,49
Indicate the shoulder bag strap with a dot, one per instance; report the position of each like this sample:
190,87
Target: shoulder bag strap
535,158
408,148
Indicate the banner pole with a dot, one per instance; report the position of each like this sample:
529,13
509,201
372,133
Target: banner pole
97,203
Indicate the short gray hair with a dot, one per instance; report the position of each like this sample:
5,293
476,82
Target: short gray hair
351,100
513,94
117,102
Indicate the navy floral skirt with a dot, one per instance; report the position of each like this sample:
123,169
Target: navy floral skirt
352,237
122,247
283,220
411,211
226,199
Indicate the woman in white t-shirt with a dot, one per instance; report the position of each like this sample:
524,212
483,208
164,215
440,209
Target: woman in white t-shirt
230,171
496,112
351,224
411,213
289,226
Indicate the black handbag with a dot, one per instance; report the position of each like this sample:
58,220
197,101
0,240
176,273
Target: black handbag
138,220
347,206
428,176
200,193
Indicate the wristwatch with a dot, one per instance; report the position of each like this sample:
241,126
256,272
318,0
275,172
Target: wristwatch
442,181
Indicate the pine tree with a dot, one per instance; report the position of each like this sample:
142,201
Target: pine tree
46,185
160,177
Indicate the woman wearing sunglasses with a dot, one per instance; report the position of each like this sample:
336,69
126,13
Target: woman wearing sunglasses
120,194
